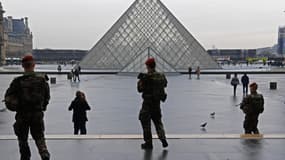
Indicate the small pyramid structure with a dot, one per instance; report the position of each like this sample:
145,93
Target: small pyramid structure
148,29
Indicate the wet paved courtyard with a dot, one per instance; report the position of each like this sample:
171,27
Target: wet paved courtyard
178,149
115,106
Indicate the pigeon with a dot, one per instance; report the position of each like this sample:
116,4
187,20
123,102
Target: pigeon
203,125
203,129
213,114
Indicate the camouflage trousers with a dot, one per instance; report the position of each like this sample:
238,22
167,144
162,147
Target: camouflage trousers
30,121
250,124
151,112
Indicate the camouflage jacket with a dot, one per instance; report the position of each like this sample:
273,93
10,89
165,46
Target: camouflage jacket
152,86
253,104
32,92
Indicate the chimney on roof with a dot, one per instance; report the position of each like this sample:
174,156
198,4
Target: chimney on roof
26,22
27,30
10,24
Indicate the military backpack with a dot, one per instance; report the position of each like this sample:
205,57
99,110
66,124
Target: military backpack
29,96
257,103
158,85
11,101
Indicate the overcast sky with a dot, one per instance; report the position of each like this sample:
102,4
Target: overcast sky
79,24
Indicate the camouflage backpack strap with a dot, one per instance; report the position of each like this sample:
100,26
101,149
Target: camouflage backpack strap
159,84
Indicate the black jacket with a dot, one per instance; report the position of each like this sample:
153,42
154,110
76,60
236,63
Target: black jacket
79,108
245,80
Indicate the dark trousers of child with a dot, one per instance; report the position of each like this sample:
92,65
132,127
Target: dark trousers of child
80,126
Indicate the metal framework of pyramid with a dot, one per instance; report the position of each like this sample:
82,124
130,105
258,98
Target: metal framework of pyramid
147,29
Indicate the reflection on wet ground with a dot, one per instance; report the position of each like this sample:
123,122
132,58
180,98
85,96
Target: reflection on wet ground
149,156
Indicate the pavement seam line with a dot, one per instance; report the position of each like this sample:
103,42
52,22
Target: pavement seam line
136,136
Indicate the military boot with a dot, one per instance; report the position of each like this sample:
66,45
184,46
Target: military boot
164,143
256,131
25,158
45,155
146,146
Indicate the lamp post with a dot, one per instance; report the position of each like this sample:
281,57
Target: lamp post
283,46
2,54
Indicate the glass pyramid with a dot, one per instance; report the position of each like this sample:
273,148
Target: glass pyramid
147,29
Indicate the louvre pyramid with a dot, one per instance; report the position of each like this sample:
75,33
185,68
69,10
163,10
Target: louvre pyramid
147,29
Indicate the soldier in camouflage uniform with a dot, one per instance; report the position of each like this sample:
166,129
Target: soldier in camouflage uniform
252,105
152,85
33,95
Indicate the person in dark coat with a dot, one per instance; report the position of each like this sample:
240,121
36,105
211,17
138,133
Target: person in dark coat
235,83
245,82
59,68
190,72
79,106
198,72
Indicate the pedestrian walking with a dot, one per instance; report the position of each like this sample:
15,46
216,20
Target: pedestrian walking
76,72
73,74
245,82
79,106
152,85
198,72
190,72
59,68
29,96
252,105
235,83
76,75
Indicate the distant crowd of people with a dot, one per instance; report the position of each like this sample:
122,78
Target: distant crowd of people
198,72
74,74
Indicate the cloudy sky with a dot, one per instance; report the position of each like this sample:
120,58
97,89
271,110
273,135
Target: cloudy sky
79,24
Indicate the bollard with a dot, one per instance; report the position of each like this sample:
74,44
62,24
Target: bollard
52,80
273,85
69,76
228,76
